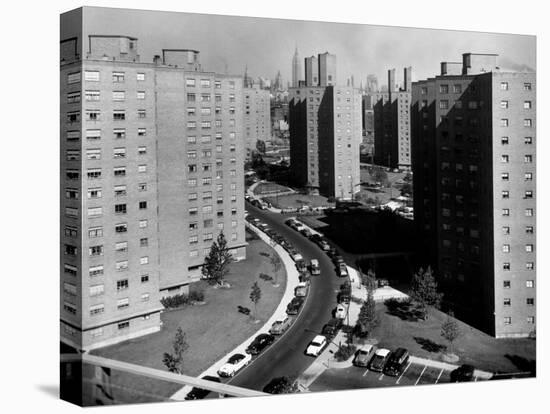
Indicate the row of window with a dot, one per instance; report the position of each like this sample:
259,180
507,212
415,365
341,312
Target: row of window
528,301
95,134
508,320
193,211
192,168
529,248
505,158
505,122
194,238
457,88
121,304
93,193
207,195
207,97
208,124
445,104
95,153
94,76
95,173
94,96
528,176
94,212
528,212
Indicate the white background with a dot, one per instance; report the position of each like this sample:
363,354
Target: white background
29,207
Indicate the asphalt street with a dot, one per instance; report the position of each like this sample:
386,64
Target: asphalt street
286,356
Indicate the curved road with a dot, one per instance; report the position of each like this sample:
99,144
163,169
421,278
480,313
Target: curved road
286,356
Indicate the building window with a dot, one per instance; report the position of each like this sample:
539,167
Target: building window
95,211
504,159
122,265
504,104
529,229
506,248
529,212
95,250
530,301
144,260
528,159
507,320
505,176
141,95
120,208
527,105
142,187
507,302
73,136
121,247
205,83
142,205
193,239
443,104
530,283
505,194
122,304
91,76
505,230
140,76
95,270
503,86
97,290
123,325
193,211
506,266
527,123
73,78
73,97
122,284
142,168
142,113
145,297
70,269
121,228
119,115
119,133
530,265
529,248
142,224
506,212
504,122
530,319
73,117
193,253
142,132
96,309
94,232
119,96
119,171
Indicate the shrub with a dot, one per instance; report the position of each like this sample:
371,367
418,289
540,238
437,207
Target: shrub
176,301
196,296
345,352
265,277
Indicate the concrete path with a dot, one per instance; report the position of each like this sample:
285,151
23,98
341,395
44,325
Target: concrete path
280,313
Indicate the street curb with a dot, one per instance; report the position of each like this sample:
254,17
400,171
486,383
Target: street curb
292,281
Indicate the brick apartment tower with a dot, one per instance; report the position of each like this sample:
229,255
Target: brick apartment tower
325,131
392,126
257,117
151,172
473,130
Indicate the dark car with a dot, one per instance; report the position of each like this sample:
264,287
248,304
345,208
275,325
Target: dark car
331,328
378,361
259,343
200,393
294,305
315,238
332,252
301,266
343,297
337,259
464,373
290,222
306,232
397,361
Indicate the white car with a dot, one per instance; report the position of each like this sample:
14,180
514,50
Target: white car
297,256
234,364
316,345
314,267
342,270
341,311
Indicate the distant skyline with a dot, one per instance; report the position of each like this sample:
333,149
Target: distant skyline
266,46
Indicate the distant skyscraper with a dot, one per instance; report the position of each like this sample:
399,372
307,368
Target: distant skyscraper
372,83
312,71
296,69
278,84
327,69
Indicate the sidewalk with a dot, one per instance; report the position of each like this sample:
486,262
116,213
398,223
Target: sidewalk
280,313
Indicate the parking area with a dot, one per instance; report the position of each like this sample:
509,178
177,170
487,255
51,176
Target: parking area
355,378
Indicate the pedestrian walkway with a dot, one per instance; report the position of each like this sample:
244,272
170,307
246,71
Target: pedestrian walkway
280,313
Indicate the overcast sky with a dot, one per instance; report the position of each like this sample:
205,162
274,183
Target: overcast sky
267,45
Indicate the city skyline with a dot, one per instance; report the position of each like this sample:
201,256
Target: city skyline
361,49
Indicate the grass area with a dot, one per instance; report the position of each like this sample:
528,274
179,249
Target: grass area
423,339
299,200
211,330
270,188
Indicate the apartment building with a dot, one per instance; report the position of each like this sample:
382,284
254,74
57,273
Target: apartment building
474,136
257,117
392,128
151,162
325,134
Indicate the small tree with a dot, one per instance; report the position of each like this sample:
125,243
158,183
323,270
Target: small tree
173,361
424,290
255,296
216,264
276,264
260,146
369,280
367,320
450,331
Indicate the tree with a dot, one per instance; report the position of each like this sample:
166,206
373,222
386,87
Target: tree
255,296
260,146
174,360
216,264
369,280
276,264
424,290
281,385
450,331
367,319
380,175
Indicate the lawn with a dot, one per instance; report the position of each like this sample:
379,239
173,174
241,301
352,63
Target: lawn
270,188
299,200
423,339
211,330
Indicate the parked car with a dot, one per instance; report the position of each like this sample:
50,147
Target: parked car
341,311
301,266
324,245
342,270
301,290
294,305
331,328
397,361
382,282
314,267
364,355
463,373
296,256
234,364
306,232
303,277
259,343
280,326
316,346
316,238
337,259
332,252
344,296
199,393
289,222
379,360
